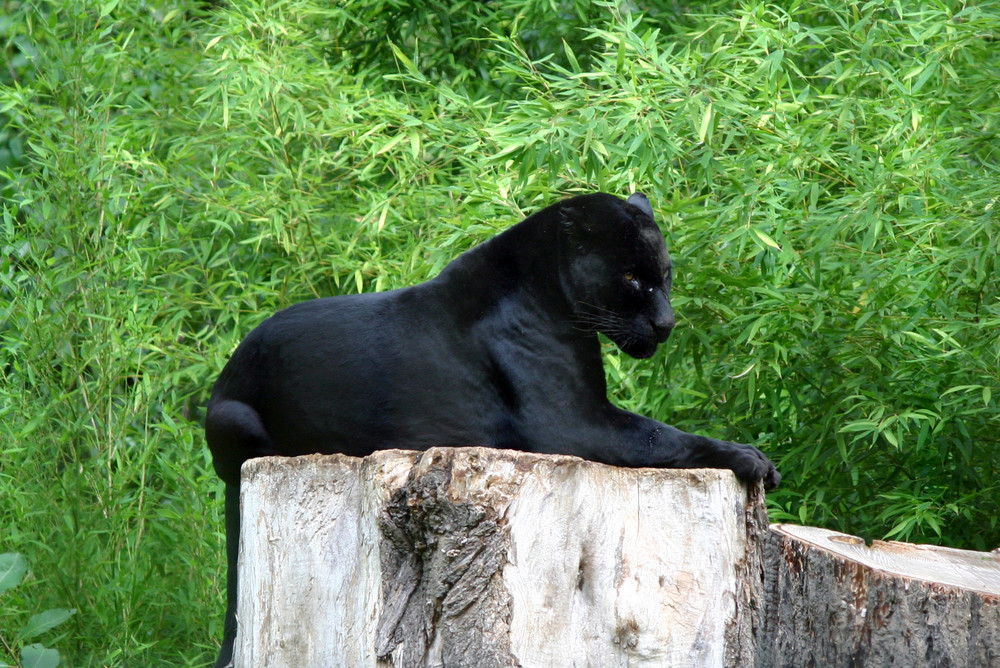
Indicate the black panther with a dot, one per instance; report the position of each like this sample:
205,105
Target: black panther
500,349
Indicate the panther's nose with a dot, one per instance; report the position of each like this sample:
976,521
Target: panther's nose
663,318
663,327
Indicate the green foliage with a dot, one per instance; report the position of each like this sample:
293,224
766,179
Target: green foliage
827,174
18,52
13,568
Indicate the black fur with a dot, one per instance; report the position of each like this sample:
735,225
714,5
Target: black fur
499,350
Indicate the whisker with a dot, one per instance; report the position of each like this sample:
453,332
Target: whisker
597,309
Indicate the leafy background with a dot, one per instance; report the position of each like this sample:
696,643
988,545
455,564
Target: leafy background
172,172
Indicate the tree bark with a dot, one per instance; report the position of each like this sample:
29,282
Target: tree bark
482,557
833,601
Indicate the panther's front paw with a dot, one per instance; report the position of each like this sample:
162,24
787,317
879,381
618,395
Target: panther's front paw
772,478
750,464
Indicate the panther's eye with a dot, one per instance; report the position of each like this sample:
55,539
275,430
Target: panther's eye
631,279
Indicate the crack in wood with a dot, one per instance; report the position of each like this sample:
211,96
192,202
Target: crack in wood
442,562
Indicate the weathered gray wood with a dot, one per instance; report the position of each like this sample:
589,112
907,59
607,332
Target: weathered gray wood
481,557
833,601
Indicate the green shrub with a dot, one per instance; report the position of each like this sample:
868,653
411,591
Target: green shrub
826,175
13,568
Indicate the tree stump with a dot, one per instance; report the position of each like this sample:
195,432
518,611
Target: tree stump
482,557
833,601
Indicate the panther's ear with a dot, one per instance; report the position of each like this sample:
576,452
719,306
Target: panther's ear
641,202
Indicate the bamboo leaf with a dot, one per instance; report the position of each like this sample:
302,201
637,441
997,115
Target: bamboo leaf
706,124
765,239
404,59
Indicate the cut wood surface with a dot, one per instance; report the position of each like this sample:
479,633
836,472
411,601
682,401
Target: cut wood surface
976,571
832,600
482,557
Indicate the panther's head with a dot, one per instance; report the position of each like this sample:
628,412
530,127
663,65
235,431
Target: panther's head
616,272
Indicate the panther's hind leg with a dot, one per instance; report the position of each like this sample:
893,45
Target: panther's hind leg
235,433
225,659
